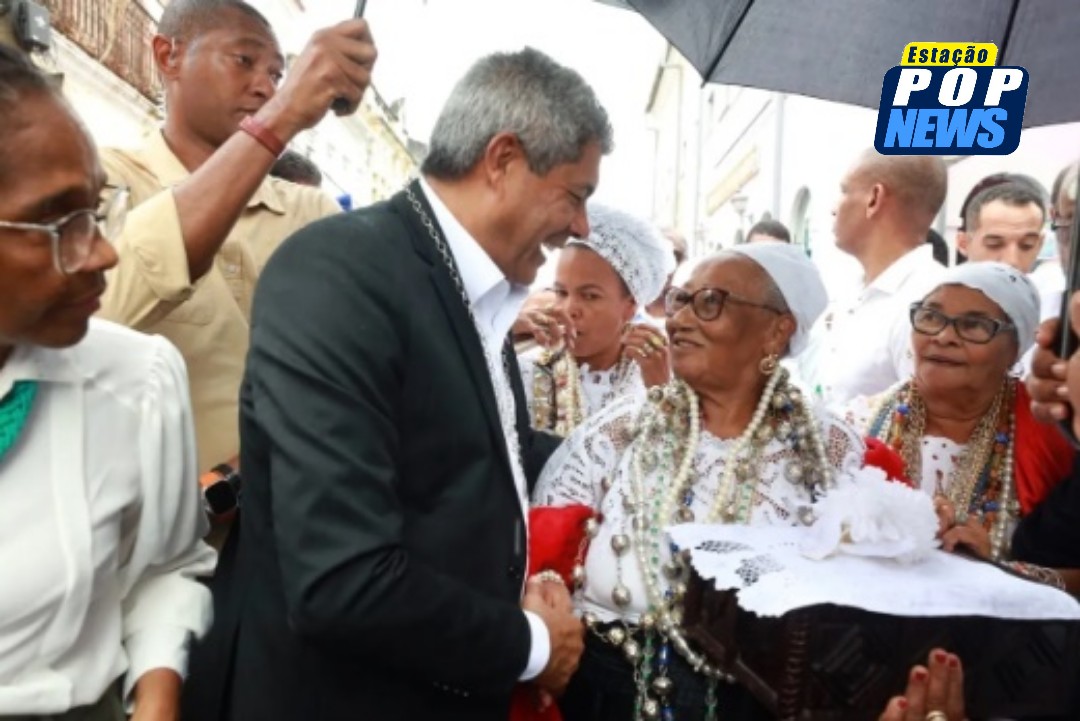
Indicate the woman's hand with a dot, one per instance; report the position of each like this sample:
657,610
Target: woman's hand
946,513
971,535
551,327
648,347
935,692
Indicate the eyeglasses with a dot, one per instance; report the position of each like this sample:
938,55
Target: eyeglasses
972,328
74,235
707,303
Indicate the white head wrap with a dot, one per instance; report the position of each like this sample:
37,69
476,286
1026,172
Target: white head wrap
639,254
798,280
1012,290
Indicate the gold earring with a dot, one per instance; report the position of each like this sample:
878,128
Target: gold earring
769,364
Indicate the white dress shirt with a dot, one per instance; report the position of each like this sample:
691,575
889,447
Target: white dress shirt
861,345
496,303
102,522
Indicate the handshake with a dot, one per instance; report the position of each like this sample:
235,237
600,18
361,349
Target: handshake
550,600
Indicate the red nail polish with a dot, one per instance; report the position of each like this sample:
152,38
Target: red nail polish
920,675
903,704
941,656
954,662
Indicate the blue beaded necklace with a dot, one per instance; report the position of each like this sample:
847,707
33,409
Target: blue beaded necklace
15,410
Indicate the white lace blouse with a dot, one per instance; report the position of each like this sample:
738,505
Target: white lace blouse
598,388
595,451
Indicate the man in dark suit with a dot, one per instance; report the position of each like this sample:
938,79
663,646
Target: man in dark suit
379,568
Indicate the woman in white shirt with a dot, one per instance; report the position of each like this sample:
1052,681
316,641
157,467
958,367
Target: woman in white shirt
98,494
600,283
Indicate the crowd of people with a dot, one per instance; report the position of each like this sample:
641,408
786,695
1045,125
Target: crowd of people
263,459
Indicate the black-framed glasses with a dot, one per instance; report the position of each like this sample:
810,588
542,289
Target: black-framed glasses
707,303
73,236
972,328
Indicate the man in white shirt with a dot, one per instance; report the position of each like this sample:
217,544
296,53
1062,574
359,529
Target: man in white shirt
862,344
380,563
1004,222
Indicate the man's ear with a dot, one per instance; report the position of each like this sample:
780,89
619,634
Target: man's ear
166,52
963,241
876,201
501,152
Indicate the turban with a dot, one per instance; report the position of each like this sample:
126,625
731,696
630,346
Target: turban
1010,289
798,280
639,254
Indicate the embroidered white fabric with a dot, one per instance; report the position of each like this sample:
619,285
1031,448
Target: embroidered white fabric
598,388
595,451
635,249
767,568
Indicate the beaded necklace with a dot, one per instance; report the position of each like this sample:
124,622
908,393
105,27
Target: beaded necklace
981,483
15,410
666,437
558,396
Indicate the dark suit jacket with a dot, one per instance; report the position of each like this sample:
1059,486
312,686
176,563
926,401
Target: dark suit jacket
378,567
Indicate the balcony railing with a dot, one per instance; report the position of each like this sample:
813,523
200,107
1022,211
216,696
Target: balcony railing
115,32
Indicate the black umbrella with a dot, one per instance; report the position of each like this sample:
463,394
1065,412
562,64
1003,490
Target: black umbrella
840,49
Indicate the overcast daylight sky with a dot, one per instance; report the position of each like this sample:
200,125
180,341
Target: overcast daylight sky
425,46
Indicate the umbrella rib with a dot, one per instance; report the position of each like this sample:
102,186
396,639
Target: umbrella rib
727,41
1008,31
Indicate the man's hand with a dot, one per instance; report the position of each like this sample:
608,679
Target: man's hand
336,63
1047,382
554,593
567,635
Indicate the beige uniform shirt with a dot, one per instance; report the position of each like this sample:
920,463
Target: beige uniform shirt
150,289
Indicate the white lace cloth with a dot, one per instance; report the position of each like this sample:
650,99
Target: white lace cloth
767,568
598,388
593,452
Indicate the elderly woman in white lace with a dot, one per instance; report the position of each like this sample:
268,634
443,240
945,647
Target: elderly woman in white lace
600,282
730,440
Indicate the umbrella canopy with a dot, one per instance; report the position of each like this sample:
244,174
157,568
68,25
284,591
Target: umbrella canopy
840,49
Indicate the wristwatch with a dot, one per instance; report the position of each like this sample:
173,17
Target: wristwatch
221,490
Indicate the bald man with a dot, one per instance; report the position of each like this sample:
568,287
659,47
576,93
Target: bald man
862,343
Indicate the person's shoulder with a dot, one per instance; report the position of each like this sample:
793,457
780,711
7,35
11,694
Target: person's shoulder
304,203
123,361
374,242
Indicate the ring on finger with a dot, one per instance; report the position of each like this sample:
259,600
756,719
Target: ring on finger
937,716
656,342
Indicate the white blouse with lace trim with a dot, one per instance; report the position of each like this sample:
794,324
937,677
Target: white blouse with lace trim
595,451
598,388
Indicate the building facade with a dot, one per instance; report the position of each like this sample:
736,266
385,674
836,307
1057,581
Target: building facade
728,156
102,48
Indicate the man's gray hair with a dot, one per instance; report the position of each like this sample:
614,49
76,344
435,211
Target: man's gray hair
550,108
